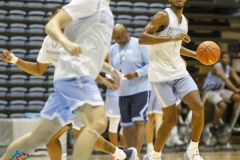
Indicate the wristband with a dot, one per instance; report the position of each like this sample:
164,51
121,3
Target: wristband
170,38
14,59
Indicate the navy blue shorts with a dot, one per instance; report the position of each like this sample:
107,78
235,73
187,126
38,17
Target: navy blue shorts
134,108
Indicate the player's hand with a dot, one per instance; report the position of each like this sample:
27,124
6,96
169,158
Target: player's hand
237,90
117,77
8,56
111,84
131,75
181,36
72,48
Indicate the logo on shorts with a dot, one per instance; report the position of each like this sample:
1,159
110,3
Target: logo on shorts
18,155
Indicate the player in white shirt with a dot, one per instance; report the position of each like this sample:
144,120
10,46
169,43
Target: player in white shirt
49,54
169,77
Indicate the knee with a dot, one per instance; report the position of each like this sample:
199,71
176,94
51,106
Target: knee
171,121
198,109
150,118
236,98
100,124
222,106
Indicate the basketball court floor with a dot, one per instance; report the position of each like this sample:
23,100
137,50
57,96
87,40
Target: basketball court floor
226,155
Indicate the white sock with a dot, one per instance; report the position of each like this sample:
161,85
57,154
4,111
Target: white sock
156,154
193,145
119,154
149,147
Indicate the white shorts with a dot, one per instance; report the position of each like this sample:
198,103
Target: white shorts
215,97
112,106
168,92
154,106
70,94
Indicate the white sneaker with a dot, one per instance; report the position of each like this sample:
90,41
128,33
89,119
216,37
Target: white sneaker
192,155
149,157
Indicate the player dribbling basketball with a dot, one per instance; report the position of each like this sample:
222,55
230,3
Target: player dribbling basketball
166,32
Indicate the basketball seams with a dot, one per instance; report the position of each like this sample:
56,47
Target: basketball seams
211,55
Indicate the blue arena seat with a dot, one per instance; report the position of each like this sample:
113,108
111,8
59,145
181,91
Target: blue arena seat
17,27
3,78
3,27
3,91
17,105
16,14
156,7
17,115
3,40
18,40
18,79
53,3
15,3
3,105
2,115
124,19
36,15
140,20
123,6
35,3
36,41
36,92
36,28
36,79
20,53
3,66
35,105
3,14
140,7
17,92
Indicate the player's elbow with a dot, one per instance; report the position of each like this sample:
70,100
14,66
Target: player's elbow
141,39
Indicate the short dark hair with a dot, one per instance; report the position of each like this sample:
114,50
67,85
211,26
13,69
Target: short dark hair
54,10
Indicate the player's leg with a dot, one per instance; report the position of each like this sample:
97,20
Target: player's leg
54,147
139,107
158,121
150,132
95,121
229,96
188,91
122,143
113,130
41,134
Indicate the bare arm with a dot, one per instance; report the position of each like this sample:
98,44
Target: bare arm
53,29
234,75
34,68
217,71
159,22
187,52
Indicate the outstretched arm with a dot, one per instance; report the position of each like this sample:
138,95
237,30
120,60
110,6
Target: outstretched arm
34,68
187,52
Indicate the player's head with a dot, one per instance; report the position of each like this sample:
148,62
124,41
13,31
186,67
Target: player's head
55,10
178,4
225,58
120,34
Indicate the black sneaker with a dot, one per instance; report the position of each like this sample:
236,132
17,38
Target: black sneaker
131,153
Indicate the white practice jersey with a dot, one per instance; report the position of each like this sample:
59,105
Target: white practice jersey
49,52
92,29
164,60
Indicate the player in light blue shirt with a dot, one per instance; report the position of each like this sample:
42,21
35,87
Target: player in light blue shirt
131,59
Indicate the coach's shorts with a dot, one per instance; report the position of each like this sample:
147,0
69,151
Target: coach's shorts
112,106
215,97
168,92
153,105
70,94
134,108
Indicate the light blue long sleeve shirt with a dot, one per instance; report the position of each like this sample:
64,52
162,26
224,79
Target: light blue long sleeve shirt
131,57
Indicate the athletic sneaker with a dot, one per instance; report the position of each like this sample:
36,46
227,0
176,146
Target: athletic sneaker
131,153
149,157
192,155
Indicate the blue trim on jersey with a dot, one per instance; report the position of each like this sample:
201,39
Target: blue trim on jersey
92,14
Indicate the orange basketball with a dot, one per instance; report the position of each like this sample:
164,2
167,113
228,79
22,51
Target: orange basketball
208,52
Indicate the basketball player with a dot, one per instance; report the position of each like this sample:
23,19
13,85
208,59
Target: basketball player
216,79
169,76
132,60
48,125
